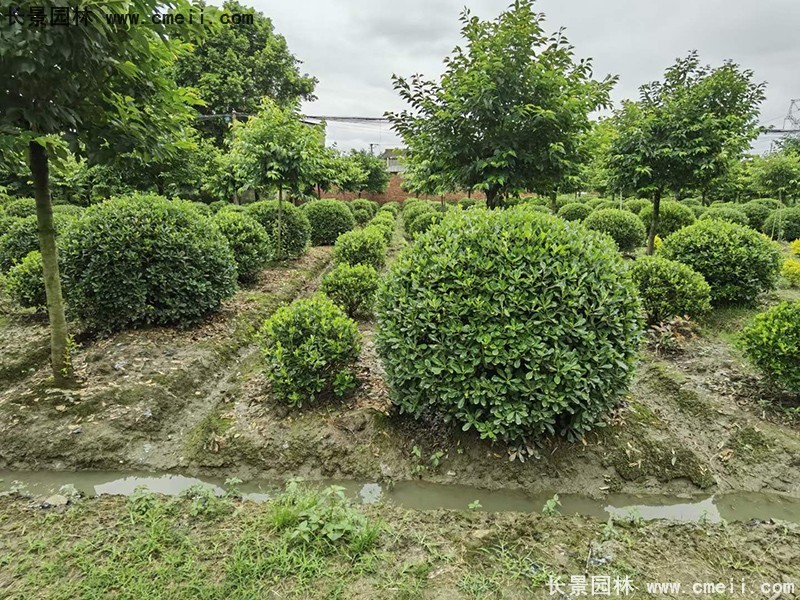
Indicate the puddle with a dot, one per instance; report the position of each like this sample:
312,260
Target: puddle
419,495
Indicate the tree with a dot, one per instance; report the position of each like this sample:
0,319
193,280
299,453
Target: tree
685,132
376,177
778,175
508,113
236,66
597,142
77,84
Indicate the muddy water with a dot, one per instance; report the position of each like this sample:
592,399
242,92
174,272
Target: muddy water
419,495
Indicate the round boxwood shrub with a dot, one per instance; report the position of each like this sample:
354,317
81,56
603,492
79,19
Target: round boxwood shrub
423,221
416,209
467,203
385,225
737,262
247,239
772,203
361,216
625,227
540,208
6,222
203,208
670,289
328,219
783,224
145,261
68,209
636,205
794,247
352,287
726,213
368,205
772,343
295,232
25,282
391,206
574,211
21,208
310,348
510,322
791,271
606,204
672,216
362,247
22,238
757,212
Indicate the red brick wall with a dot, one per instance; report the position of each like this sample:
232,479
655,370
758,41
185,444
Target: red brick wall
395,193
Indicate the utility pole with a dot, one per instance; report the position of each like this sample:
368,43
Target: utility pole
371,146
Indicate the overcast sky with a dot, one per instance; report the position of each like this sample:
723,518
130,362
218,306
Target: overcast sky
354,46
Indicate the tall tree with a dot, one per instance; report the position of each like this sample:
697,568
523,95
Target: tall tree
376,177
685,131
238,65
103,85
778,175
509,110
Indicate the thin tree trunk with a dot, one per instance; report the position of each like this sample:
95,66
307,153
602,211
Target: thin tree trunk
553,199
651,238
59,358
278,245
491,197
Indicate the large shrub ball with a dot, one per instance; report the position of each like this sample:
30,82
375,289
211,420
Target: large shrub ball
726,213
772,203
329,219
145,261
672,216
391,206
352,287
370,206
362,247
783,224
310,348
21,208
623,226
249,241
25,282
511,322
636,205
670,289
772,343
295,230
423,221
736,261
22,238
757,212
574,211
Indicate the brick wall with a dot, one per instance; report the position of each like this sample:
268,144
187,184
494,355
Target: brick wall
395,193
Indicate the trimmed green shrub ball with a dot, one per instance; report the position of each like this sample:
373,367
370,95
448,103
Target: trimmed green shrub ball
6,222
295,231
248,240
21,208
361,216
672,216
368,205
772,203
757,212
362,247
574,211
737,262
22,238
25,282
623,226
670,289
467,203
203,208
329,219
68,209
422,222
726,213
606,204
145,261
783,224
772,343
391,206
512,323
352,287
310,348
636,205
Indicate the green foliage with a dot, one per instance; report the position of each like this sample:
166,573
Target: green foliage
328,219
422,221
249,241
783,224
623,226
672,216
361,247
21,208
361,215
68,209
362,203
143,260
736,261
385,223
310,348
777,174
25,282
392,207
510,322
509,113
726,213
467,203
670,289
376,177
791,271
236,66
352,287
757,212
574,211
636,205
22,238
295,229
772,343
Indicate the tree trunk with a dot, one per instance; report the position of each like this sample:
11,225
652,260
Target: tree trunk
553,199
491,197
59,351
278,245
651,238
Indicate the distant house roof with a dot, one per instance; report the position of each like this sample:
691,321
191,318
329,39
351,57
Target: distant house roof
392,157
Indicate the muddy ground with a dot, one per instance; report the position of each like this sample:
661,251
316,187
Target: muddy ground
196,401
